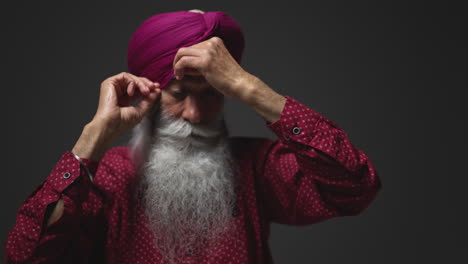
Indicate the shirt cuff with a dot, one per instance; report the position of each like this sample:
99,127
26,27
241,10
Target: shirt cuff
88,165
297,123
67,170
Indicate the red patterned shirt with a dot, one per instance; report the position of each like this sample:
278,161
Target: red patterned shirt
310,173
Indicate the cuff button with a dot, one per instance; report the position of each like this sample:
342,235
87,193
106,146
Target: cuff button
66,175
296,130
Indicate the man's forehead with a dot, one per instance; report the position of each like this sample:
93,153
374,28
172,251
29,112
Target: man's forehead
191,82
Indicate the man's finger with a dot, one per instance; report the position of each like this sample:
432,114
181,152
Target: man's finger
149,83
186,62
124,80
187,51
147,101
190,71
130,89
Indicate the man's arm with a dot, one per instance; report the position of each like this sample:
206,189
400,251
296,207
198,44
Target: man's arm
91,145
49,224
261,98
38,238
267,103
312,172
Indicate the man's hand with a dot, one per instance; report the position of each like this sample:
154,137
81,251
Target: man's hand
118,93
115,114
211,59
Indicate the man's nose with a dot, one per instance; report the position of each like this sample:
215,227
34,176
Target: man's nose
192,111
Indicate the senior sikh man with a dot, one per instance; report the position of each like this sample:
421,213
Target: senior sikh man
183,191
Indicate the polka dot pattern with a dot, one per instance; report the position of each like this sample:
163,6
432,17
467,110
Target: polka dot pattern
311,173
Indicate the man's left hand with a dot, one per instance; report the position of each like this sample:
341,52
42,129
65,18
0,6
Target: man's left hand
211,59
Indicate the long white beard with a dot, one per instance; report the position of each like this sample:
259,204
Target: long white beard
187,183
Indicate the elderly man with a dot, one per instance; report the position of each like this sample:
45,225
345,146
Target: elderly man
182,191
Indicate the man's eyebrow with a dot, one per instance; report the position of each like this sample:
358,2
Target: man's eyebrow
197,87
177,87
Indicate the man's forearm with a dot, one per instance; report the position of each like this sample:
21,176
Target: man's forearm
93,142
264,100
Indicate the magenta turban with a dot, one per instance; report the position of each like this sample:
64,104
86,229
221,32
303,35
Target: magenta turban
153,46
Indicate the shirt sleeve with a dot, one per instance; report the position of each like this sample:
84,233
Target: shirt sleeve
313,172
32,241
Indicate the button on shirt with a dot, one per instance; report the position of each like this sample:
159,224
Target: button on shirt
311,172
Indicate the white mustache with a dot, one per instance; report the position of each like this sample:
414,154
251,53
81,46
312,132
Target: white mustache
172,127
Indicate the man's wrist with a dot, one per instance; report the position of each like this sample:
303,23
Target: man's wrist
84,163
93,142
264,100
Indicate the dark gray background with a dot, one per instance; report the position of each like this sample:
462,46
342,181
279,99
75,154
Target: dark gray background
391,75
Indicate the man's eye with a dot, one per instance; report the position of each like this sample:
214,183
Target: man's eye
178,94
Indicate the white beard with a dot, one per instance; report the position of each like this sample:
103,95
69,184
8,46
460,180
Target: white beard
187,181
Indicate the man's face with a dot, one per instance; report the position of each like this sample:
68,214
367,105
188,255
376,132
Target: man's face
192,99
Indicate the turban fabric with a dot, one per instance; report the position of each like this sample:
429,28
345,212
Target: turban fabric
154,44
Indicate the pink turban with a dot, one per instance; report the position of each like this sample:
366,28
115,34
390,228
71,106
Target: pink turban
153,46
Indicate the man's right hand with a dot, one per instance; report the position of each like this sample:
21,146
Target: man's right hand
115,114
